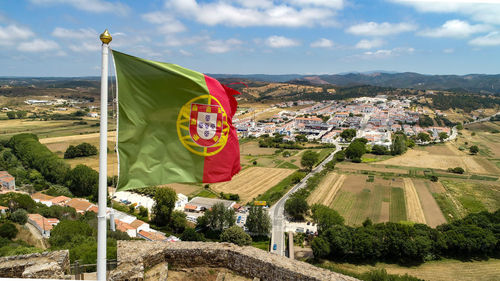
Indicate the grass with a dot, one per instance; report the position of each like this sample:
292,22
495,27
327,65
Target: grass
287,165
206,193
449,209
344,203
276,192
442,270
484,178
398,205
323,154
261,242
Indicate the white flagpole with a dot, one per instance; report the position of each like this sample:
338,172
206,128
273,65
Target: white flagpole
103,161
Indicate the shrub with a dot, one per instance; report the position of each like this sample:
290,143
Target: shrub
20,216
236,235
8,230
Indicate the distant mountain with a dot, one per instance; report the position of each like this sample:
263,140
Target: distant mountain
477,83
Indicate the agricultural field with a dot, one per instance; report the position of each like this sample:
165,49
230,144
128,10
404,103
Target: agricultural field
443,270
252,181
357,197
190,190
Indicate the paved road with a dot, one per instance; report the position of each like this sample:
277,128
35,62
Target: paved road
277,211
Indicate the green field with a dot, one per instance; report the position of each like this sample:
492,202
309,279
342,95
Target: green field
465,197
398,205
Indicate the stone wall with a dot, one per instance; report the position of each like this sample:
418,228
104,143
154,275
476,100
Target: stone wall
48,265
136,256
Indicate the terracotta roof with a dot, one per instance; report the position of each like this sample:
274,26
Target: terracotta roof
42,197
136,224
94,209
42,222
79,204
190,207
7,178
60,199
123,226
236,206
4,173
153,236
3,208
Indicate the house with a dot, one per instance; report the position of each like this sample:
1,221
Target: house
181,201
125,227
151,235
42,224
7,182
3,210
81,205
60,200
42,198
191,208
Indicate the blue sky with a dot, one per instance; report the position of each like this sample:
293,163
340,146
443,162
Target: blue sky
60,37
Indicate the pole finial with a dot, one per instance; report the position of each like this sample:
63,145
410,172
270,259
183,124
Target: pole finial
106,37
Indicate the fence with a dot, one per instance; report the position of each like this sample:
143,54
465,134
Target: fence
78,269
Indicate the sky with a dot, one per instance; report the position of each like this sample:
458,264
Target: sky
61,37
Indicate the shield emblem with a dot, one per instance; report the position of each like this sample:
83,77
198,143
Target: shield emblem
205,126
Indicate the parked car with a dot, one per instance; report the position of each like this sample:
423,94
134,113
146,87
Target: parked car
275,247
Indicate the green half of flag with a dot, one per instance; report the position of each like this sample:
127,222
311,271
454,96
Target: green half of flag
174,125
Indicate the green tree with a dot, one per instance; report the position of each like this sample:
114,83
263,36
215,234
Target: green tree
474,149
236,235
178,221
398,146
355,150
423,137
190,234
348,134
320,247
67,230
258,221
443,136
21,114
325,217
20,216
309,158
83,181
143,212
339,156
300,138
164,205
217,218
11,115
296,206
8,230
379,149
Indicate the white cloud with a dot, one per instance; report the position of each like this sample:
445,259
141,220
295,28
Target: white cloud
167,23
265,13
448,51
222,46
185,53
322,43
174,41
82,33
93,6
280,42
85,47
369,44
491,39
11,34
455,29
380,29
486,11
381,54
335,4
38,45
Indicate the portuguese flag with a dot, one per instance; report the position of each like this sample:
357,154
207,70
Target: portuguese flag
174,125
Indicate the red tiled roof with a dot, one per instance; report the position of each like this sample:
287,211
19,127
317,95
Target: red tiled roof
60,199
136,224
79,204
42,197
3,208
122,226
42,222
153,236
190,207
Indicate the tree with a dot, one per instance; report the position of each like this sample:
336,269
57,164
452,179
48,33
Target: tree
8,230
143,212
355,150
300,138
434,178
164,205
339,156
474,149
82,150
325,217
423,137
217,218
83,181
258,221
456,170
443,136
11,115
398,146
309,158
20,216
296,206
297,177
320,247
348,134
66,231
190,234
236,235
178,221
379,149
21,114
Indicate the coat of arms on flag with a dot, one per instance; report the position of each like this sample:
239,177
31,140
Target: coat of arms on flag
206,124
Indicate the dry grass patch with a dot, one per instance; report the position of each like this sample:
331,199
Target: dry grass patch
252,182
327,189
414,210
433,214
